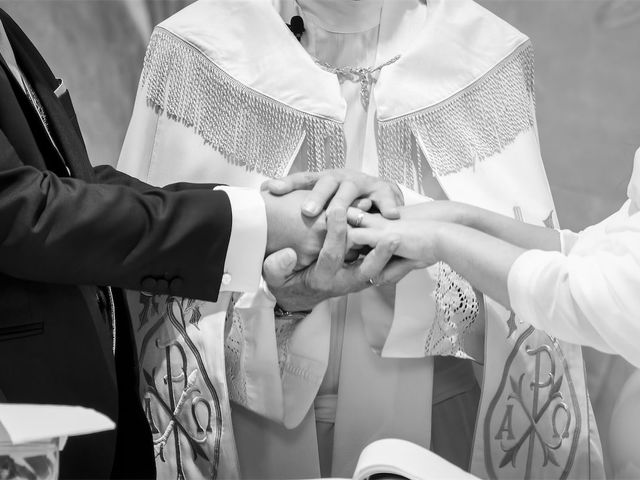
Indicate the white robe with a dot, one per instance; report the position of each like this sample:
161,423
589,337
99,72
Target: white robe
228,95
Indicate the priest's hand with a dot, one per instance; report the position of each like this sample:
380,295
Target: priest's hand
288,228
330,276
340,189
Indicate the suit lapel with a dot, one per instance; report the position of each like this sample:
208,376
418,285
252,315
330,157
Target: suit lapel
61,126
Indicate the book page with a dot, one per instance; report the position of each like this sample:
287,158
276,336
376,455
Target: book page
399,457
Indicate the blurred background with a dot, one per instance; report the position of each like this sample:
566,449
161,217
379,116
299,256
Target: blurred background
587,84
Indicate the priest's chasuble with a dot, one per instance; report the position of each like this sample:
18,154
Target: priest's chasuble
446,107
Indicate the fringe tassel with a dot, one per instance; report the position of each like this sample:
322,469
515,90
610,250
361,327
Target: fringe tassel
473,125
248,128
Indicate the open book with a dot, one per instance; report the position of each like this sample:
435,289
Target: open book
391,458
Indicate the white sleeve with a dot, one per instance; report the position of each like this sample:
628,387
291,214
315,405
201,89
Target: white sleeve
589,297
568,239
248,240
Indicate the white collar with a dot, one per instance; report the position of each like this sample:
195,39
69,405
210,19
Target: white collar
445,46
342,16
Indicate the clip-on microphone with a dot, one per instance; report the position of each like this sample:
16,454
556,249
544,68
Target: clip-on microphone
296,26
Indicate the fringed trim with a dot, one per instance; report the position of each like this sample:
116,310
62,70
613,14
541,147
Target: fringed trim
471,126
248,128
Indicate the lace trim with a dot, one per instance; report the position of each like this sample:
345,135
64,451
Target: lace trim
233,355
471,126
248,128
284,330
456,312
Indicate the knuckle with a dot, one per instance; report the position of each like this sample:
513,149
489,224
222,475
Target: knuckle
338,216
329,181
349,185
362,278
390,242
309,177
331,257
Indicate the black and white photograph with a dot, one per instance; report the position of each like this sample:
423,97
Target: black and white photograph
309,239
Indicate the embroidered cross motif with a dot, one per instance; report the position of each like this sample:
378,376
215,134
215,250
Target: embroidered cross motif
364,75
533,422
534,435
511,324
180,400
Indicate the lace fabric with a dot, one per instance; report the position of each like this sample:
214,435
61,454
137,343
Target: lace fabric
234,355
457,311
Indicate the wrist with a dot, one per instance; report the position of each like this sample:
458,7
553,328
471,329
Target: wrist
441,237
463,214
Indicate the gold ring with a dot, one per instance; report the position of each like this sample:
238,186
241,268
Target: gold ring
372,282
359,219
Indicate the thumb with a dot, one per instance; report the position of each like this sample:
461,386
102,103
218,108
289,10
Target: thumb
278,266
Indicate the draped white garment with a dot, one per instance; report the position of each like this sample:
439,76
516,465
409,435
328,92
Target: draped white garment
339,34
590,292
228,95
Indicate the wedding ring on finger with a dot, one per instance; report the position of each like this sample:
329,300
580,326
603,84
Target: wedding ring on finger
358,221
372,282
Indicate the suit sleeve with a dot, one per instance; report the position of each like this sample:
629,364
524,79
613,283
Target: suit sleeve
62,230
106,174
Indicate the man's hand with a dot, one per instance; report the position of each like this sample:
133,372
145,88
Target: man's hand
340,189
288,228
329,276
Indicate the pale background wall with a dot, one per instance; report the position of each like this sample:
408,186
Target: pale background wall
588,96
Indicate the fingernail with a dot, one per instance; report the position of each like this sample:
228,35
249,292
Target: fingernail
309,206
287,260
394,245
393,213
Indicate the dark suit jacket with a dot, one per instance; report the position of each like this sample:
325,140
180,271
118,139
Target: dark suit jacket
60,236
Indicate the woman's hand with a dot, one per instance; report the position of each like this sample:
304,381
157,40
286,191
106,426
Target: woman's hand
416,237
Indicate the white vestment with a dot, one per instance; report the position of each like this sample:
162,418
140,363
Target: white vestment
228,95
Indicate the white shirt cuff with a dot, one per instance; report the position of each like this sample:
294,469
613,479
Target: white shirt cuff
248,241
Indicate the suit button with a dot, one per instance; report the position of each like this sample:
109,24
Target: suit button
226,279
176,285
148,284
162,286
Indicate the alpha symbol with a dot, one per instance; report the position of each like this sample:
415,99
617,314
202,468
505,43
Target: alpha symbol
506,425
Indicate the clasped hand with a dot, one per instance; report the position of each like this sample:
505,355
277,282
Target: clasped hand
309,256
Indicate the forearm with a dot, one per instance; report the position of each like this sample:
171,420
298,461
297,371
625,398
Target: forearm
508,229
63,230
107,175
482,259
